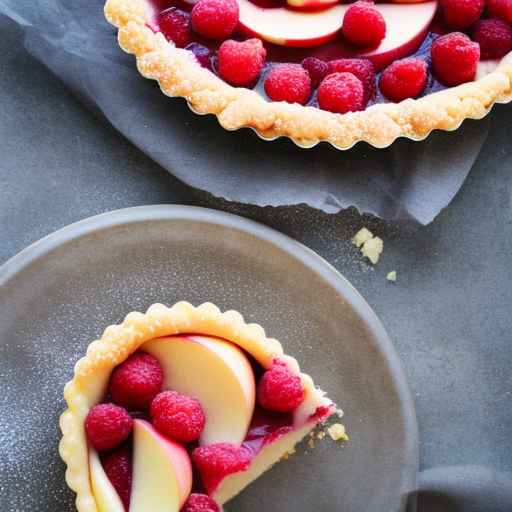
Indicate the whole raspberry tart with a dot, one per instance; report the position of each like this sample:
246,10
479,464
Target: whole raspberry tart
325,70
179,409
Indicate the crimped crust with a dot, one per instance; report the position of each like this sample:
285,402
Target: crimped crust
92,372
380,125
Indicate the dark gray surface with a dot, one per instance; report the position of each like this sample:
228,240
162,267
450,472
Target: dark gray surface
448,314
61,293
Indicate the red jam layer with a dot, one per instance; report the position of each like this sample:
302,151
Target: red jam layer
266,428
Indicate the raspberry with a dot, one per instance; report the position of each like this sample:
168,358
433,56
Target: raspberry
240,64
403,79
175,26
288,82
137,381
461,14
216,19
118,468
221,459
500,9
202,54
177,416
200,503
455,58
494,38
107,426
363,25
279,389
360,68
340,93
316,68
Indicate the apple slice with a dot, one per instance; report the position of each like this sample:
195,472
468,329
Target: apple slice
215,372
286,27
162,471
106,497
311,4
407,25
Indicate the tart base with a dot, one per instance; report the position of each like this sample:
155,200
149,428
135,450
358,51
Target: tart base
179,75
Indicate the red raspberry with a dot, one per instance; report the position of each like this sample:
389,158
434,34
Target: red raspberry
340,93
363,25
137,381
118,468
202,54
240,64
200,503
316,68
175,26
494,38
288,82
107,426
455,58
216,19
221,459
177,416
461,14
279,389
500,9
403,79
360,68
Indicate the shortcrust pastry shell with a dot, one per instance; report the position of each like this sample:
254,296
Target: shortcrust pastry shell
180,75
92,372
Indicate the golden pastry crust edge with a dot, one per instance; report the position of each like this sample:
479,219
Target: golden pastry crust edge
119,341
179,75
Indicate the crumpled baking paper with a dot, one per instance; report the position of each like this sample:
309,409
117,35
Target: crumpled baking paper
413,180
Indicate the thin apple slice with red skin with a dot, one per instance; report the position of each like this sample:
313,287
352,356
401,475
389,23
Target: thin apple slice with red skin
322,4
286,27
162,471
105,496
308,5
407,26
215,372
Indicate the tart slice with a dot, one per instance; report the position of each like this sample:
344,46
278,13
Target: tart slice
180,409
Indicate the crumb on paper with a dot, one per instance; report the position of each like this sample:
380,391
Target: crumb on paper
372,249
337,432
391,276
362,236
320,435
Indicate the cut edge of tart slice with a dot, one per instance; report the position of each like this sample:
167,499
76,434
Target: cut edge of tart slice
92,374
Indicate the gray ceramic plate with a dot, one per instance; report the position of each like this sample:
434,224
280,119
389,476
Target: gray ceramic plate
60,293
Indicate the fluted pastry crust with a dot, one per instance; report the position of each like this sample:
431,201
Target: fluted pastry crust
179,75
92,372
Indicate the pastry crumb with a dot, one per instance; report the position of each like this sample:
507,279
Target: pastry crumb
391,276
337,432
372,249
311,443
288,454
362,236
320,435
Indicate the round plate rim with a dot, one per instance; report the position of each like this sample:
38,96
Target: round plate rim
307,256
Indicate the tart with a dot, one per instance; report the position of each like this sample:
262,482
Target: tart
320,70
180,409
